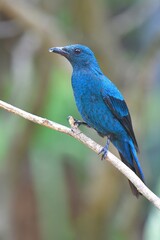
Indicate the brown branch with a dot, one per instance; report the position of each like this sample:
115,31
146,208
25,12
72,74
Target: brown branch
77,134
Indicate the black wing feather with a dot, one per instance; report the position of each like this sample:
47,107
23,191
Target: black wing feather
120,110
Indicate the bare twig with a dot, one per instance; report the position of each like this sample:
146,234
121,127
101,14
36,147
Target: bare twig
75,132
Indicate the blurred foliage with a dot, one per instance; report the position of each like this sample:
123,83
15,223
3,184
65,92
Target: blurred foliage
53,187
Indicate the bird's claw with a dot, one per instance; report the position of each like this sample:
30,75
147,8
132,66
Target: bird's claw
71,121
77,123
74,126
104,152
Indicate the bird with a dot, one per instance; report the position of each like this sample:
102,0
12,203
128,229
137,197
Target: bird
102,106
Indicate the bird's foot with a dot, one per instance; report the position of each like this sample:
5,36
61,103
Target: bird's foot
77,123
73,124
104,150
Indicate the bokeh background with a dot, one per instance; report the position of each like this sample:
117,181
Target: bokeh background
51,186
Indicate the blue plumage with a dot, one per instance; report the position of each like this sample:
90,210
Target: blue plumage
101,105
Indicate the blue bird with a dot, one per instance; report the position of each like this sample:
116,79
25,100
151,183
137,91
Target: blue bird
102,106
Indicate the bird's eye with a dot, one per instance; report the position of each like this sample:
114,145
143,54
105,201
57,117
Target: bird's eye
77,50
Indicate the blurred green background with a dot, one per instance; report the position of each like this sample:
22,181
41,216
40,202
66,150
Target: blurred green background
51,186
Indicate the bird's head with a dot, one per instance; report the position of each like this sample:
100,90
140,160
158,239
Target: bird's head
77,55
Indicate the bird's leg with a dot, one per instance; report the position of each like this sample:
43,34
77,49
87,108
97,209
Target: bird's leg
74,123
104,150
78,123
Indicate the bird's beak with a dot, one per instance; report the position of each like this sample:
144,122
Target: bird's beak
59,50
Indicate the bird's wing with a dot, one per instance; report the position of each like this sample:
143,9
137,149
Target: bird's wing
120,110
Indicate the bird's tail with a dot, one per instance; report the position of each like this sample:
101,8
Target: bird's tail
129,157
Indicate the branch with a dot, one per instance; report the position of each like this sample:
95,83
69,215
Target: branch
77,134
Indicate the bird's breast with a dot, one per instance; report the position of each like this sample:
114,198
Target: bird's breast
86,90
90,104
87,93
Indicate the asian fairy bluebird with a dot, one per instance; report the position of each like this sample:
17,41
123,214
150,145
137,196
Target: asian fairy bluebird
102,106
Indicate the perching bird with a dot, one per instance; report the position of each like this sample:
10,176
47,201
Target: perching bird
102,106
